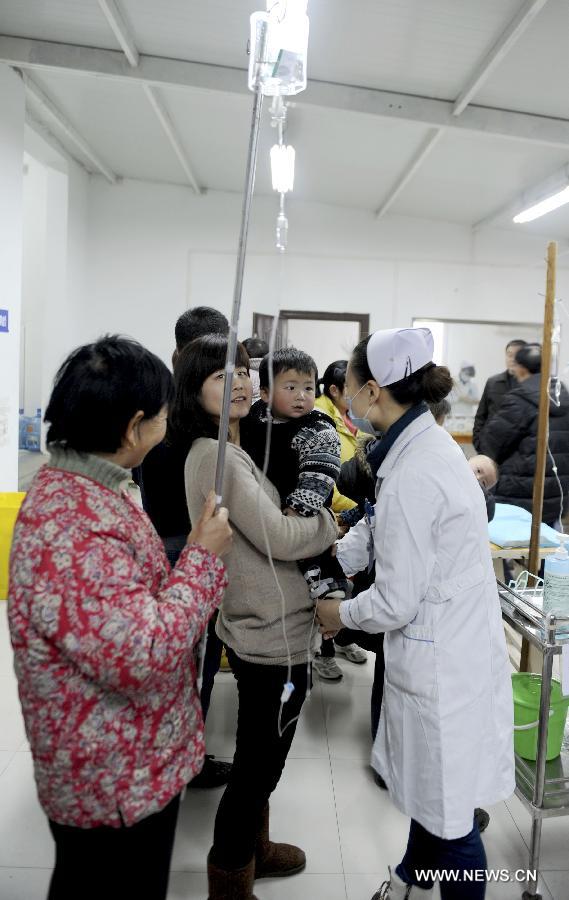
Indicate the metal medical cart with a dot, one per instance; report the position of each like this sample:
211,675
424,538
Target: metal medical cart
543,787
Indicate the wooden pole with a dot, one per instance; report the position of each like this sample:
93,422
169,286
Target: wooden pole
542,427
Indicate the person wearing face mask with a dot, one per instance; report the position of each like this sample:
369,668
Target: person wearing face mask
465,396
445,740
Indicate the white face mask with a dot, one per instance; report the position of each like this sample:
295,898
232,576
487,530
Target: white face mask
362,423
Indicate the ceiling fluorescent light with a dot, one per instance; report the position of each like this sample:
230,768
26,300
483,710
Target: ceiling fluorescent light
544,207
282,168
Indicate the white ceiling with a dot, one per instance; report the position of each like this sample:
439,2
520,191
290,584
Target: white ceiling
425,48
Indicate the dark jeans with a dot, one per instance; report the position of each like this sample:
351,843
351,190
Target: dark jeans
328,649
377,686
214,647
374,644
426,851
114,863
260,756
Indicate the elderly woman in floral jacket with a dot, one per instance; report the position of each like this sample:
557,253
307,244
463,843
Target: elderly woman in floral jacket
104,633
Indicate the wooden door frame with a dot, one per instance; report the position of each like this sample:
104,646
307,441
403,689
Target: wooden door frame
361,318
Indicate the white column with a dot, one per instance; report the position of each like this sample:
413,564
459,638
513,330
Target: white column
12,110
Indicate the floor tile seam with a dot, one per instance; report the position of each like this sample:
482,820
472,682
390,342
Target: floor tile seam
27,868
179,871
520,832
10,761
336,813
357,759
550,869
543,883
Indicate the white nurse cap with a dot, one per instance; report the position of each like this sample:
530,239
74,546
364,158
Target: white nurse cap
398,352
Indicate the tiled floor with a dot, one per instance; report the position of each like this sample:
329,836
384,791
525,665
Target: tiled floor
327,802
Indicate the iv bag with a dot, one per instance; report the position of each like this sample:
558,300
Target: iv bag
279,45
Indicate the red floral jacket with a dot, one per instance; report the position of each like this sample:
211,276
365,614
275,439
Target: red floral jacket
103,635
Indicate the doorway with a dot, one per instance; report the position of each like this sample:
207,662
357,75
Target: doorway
325,336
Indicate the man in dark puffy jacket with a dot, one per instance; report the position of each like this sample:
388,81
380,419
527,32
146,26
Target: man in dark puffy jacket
494,392
510,438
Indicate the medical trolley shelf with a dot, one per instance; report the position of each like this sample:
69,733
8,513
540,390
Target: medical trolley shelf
543,787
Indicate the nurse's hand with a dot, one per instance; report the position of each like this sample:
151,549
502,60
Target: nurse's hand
328,615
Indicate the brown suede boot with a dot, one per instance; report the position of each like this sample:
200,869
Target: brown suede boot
233,884
275,860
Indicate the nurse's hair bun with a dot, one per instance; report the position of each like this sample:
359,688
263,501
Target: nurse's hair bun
437,383
431,383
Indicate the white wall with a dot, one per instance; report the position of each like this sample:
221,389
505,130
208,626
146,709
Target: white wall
11,179
55,219
34,227
326,341
156,249
66,293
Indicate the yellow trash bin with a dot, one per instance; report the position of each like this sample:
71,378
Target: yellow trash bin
9,507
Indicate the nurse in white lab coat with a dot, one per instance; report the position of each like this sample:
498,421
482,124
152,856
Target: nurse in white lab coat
445,741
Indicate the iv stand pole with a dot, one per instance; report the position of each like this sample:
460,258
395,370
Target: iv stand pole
236,309
542,433
237,293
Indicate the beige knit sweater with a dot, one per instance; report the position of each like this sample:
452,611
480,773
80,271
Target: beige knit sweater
250,620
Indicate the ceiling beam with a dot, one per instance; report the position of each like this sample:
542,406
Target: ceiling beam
45,133
525,15
120,30
502,46
158,71
47,105
170,132
432,138
530,195
123,35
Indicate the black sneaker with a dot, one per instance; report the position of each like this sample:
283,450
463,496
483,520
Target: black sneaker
213,774
481,818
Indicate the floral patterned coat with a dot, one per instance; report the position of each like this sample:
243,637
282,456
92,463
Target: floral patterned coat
103,636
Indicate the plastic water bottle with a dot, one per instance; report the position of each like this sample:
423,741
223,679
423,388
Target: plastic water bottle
34,432
556,585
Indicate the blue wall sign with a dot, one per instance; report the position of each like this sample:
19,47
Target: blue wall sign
4,320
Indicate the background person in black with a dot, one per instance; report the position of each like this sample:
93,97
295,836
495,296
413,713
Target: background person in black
510,438
494,392
162,486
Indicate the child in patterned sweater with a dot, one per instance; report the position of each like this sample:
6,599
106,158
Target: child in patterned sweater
304,454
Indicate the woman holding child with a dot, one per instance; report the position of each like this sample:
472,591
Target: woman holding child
268,628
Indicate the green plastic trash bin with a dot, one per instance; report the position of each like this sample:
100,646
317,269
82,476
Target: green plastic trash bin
527,693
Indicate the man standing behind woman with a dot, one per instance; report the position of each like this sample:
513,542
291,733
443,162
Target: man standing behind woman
267,626
161,480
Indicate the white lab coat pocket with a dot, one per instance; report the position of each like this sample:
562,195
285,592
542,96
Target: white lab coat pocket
410,660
